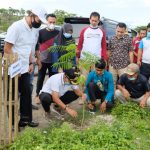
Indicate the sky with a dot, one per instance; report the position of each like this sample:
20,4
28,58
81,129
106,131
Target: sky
132,12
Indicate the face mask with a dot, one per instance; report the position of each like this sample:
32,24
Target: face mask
51,26
93,27
67,83
132,78
67,35
148,34
36,24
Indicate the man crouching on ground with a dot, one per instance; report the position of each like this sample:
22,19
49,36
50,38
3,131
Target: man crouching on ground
100,85
61,89
133,86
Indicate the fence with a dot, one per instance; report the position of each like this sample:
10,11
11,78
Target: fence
9,102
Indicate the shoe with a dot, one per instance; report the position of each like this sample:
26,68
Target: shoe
32,124
53,109
22,124
37,100
47,116
35,107
93,111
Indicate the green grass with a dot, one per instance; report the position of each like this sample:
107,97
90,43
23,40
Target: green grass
130,130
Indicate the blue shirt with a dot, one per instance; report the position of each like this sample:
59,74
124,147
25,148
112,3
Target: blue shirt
107,82
141,45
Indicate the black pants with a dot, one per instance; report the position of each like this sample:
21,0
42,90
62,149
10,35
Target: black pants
145,70
42,74
95,93
25,98
46,99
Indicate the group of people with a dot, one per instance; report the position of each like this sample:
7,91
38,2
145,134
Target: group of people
128,63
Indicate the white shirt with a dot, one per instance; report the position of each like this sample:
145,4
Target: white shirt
92,41
23,38
56,83
36,32
146,51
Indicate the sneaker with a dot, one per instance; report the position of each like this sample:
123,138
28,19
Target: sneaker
47,116
33,124
93,111
37,100
30,124
53,109
35,107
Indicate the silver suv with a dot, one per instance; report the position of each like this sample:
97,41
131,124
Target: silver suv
108,25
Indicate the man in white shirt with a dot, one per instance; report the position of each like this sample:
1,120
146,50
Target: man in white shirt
144,55
20,39
61,89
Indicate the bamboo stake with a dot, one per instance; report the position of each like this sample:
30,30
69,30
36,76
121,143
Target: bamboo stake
16,106
1,98
10,110
5,97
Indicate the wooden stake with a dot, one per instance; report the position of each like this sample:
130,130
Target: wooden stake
1,137
10,110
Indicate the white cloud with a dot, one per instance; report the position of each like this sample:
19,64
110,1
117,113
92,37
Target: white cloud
132,11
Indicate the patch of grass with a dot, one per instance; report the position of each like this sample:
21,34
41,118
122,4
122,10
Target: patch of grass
129,130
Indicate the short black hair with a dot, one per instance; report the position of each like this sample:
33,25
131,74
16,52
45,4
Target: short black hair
148,26
95,14
50,15
122,25
100,64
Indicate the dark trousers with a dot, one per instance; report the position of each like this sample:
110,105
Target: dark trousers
145,70
95,93
42,74
25,98
46,99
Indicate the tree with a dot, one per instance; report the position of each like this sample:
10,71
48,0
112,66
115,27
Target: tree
138,28
61,15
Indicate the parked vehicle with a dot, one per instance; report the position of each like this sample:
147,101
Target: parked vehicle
108,25
2,37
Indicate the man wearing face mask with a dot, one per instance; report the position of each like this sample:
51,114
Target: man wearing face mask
133,86
45,41
92,38
20,39
144,54
61,89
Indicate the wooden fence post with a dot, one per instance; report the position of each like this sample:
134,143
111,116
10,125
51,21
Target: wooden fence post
1,97
9,102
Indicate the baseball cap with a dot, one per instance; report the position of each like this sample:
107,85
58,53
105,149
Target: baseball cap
132,69
73,75
40,12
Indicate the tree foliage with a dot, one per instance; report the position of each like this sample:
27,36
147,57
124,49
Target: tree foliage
138,28
8,16
61,14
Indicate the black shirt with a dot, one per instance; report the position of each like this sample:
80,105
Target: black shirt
136,88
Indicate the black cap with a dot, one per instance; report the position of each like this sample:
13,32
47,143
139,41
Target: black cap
72,74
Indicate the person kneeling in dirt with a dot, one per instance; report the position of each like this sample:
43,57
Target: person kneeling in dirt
133,86
61,89
100,85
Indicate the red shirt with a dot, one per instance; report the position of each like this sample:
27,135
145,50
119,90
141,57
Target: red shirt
136,42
